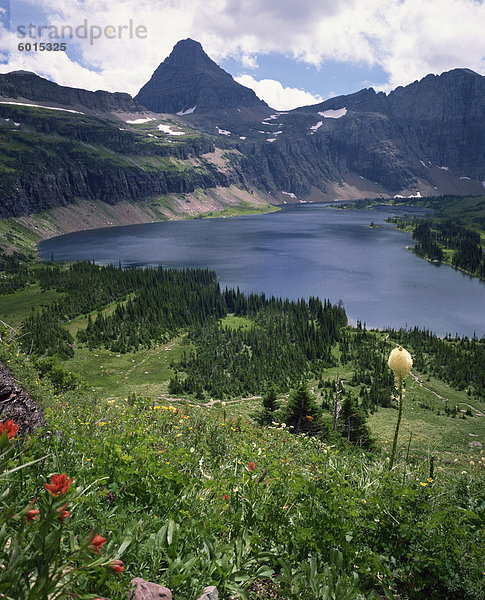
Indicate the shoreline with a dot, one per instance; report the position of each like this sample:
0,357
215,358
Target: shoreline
23,234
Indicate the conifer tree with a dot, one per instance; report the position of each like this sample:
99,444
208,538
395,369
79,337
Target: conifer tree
303,413
353,423
269,405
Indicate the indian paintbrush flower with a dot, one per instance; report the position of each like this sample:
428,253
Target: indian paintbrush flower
251,466
10,427
96,542
63,514
32,514
116,566
59,485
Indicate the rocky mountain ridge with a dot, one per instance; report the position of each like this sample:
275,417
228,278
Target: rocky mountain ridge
427,138
18,85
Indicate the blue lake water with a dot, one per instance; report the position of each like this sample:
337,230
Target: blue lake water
301,251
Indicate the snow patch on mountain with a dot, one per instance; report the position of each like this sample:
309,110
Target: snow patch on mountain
169,130
316,127
416,195
223,131
139,121
333,114
189,111
46,107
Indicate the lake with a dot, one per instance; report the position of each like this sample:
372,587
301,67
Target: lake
303,250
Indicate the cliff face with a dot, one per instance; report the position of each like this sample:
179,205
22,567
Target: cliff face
63,184
50,159
300,160
27,85
443,117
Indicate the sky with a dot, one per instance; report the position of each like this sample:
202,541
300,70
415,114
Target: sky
291,53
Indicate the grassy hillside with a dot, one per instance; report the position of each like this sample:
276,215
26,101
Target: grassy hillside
444,418
186,491
189,496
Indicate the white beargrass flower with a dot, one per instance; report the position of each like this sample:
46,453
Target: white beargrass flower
400,362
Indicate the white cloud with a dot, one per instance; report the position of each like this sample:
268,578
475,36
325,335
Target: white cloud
276,95
407,38
249,62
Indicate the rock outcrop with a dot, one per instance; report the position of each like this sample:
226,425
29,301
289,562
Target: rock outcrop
15,404
145,590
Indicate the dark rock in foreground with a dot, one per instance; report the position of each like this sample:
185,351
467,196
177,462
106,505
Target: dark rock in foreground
15,404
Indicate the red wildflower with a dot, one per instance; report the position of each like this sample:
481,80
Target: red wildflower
224,497
251,466
116,566
58,486
10,427
96,542
32,514
63,514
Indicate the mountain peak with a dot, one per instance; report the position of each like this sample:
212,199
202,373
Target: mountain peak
23,73
187,52
188,79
